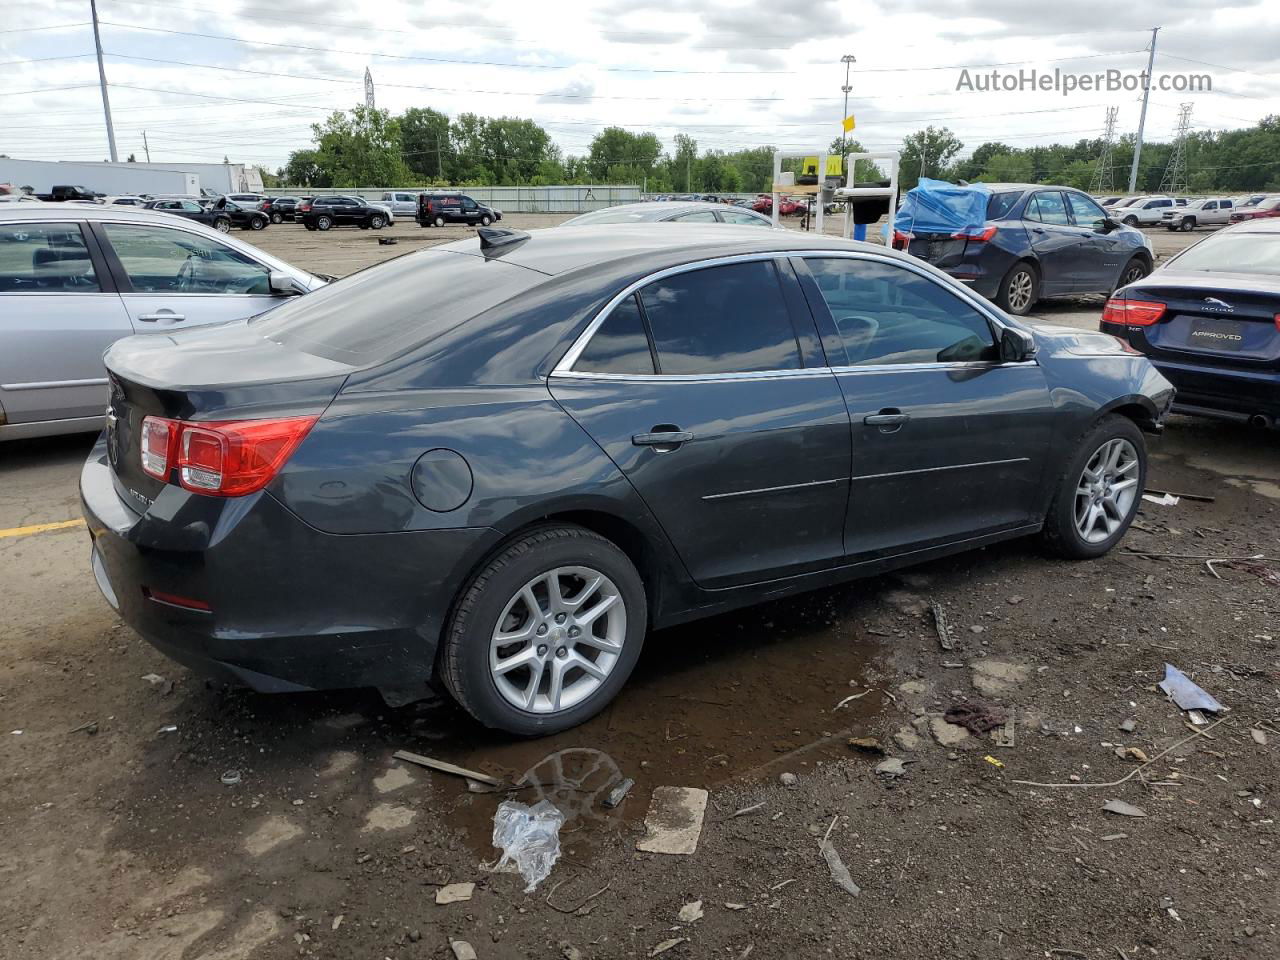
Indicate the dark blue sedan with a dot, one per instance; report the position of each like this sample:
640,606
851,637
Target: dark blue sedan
1038,242
1209,319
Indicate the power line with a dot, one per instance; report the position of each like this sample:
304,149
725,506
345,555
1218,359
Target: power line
52,26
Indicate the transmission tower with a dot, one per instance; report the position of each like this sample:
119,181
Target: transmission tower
1102,178
368,89
1175,174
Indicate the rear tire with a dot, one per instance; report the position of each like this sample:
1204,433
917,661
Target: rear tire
1019,289
1068,530
439,221
469,657
222,225
324,223
277,218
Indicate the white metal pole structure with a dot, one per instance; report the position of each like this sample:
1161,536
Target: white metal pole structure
1142,117
777,172
102,80
892,158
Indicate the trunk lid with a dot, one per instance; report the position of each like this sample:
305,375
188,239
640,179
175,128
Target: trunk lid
1217,319
223,372
940,249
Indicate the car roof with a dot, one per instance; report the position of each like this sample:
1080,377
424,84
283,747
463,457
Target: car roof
1265,225
64,211
554,250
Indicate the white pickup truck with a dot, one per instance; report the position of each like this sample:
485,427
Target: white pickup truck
1209,212
1143,211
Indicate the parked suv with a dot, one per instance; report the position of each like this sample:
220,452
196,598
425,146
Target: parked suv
1144,211
404,203
325,213
1214,211
283,208
437,209
222,214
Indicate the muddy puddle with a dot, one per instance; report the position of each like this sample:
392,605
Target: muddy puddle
741,696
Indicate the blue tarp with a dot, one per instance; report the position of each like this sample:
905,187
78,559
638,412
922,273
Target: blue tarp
935,206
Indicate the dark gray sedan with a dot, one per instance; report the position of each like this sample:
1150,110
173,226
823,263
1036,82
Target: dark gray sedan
502,461
682,211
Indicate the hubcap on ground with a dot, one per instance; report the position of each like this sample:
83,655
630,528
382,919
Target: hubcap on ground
558,639
1107,490
1020,290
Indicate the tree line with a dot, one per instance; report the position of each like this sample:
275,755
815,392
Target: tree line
424,147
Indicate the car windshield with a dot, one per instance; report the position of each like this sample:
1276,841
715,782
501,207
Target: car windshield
1255,253
1001,204
615,215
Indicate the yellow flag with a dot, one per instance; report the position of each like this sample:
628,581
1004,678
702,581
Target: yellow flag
849,123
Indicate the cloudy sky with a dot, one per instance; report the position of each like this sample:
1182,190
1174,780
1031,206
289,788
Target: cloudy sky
246,78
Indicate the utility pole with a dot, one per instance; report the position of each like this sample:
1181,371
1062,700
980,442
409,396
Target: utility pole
102,80
1102,176
146,148
848,60
368,89
1175,174
1142,118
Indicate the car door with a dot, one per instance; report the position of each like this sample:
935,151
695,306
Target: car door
1057,242
948,443
710,395
406,204
470,210
169,277
58,314
1103,254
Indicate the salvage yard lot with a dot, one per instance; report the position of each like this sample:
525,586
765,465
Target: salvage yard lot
120,839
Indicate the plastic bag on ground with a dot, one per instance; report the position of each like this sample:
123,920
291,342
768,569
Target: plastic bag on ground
529,838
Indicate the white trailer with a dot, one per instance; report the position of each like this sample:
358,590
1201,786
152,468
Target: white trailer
106,178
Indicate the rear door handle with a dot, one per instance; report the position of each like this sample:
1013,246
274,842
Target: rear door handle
666,438
153,317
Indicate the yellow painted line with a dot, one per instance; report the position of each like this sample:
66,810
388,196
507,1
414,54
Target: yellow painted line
40,528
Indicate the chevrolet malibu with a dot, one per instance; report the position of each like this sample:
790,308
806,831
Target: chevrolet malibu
500,462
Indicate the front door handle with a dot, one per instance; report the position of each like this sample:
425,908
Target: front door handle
662,439
888,420
153,317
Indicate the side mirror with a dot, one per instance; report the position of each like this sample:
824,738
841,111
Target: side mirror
1106,225
283,285
1016,345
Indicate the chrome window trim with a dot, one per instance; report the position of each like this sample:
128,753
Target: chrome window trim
693,377
564,368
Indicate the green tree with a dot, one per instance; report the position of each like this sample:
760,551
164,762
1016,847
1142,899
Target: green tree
361,148
617,155
682,162
425,143
926,153
302,169
1008,168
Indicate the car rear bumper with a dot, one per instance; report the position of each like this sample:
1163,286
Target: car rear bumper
290,607
1232,394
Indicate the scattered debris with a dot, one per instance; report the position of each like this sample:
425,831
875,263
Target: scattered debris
994,762
892,767
1132,773
788,779
1185,693
1132,753
867,745
674,821
387,241
1128,726
230,777
168,728
1181,496
455,893
529,837
947,734
751,809
90,727
337,921
1259,736
839,872
1123,809
735,906
666,945
907,739
569,951
580,904
690,912
1014,600
1165,500
976,717
153,678
1115,836
998,678
619,793
853,696
940,624
446,768
462,950
1006,735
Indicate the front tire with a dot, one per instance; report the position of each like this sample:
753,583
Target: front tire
1133,271
547,632
439,221
1099,493
486,220
1130,221
1188,224
1019,289
258,223
377,222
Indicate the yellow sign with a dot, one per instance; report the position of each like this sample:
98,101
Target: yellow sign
849,123
834,166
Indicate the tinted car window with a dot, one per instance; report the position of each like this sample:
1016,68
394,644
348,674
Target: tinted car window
160,260
698,216
44,257
1084,210
737,216
382,311
1048,207
1254,253
1000,205
620,345
729,319
889,314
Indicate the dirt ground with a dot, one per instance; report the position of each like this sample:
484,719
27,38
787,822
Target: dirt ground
120,840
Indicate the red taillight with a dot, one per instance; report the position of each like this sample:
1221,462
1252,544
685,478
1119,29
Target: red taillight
982,236
175,600
225,458
900,239
158,435
1278,321
1133,313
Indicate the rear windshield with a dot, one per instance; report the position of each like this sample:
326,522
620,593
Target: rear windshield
385,310
1001,204
1257,253
614,215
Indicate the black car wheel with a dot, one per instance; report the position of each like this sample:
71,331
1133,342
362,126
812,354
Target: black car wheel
547,633
222,225
1133,271
439,221
377,221
1130,221
486,220
1019,289
1188,224
258,223
277,218
1099,492
324,223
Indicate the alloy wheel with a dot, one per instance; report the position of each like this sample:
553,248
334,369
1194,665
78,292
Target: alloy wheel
1135,273
1107,490
557,640
1020,288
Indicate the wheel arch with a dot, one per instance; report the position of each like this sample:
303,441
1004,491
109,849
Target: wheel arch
1137,408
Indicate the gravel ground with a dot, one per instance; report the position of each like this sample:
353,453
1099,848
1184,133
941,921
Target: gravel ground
120,840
